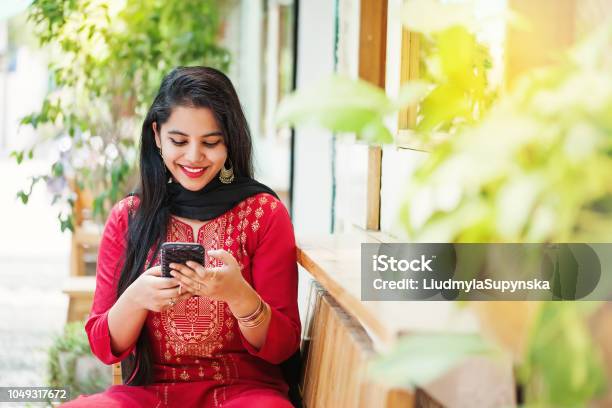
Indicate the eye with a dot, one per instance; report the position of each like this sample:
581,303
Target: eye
174,142
210,144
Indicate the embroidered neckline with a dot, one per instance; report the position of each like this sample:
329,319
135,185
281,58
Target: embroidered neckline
195,234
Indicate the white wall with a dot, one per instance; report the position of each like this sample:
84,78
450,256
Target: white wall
313,182
25,90
398,166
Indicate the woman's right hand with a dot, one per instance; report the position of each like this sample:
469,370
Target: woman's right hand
153,292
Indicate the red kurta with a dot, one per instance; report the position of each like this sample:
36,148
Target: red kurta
200,356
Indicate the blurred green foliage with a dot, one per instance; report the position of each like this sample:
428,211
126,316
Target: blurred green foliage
454,61
531,166
536,169
562,366
346,105
108,60
63,359
457,64
453,89
418,359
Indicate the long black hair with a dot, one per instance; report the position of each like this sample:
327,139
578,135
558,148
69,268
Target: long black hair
200,87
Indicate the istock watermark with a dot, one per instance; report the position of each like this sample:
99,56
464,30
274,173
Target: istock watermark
383,263
571,271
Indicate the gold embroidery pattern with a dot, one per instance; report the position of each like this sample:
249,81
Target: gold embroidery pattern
238,222
129,201
217,375
212,236
255,225
197,329
178,233
194,326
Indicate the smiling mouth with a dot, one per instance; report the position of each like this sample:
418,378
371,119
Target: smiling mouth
193,171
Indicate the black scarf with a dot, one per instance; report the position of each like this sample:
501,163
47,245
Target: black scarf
214,199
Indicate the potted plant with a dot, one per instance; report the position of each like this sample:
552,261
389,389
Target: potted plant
71,365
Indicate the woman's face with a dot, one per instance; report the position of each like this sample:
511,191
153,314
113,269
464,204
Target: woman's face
192,146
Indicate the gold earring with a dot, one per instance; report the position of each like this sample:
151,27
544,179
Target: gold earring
167,172
227,175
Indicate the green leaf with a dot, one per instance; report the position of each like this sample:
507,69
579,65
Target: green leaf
457,49
411,93
66,222
579,376
18,155
376,132
338,103
420,358
57,169
442,105
98,204
23,196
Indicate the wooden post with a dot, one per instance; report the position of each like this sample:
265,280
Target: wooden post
373,41
374,174
409,70
372,58
117,378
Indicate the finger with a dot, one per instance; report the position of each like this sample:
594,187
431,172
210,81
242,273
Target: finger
184,269
188,283
184,296
197,268
176,299
170,294
222,255
210,272
164,283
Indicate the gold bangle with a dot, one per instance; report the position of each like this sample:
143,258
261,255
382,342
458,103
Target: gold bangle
258,319
255,313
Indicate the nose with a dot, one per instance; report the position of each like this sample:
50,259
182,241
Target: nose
194,153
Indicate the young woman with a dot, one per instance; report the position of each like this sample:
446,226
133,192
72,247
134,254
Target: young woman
212,335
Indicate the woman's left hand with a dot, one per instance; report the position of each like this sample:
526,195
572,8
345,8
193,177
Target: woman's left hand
221,283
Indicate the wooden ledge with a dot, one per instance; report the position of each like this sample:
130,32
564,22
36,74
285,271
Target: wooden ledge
335,262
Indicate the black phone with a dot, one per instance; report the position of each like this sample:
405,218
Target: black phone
180,252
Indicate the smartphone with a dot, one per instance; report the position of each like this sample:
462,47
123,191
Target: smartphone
180,253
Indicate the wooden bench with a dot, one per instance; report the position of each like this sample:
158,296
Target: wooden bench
343,333
78,286
117,379
80,291
85,237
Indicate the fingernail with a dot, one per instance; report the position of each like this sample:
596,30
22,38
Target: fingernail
172,265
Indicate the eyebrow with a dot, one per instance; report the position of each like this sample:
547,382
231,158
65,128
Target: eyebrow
178,132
